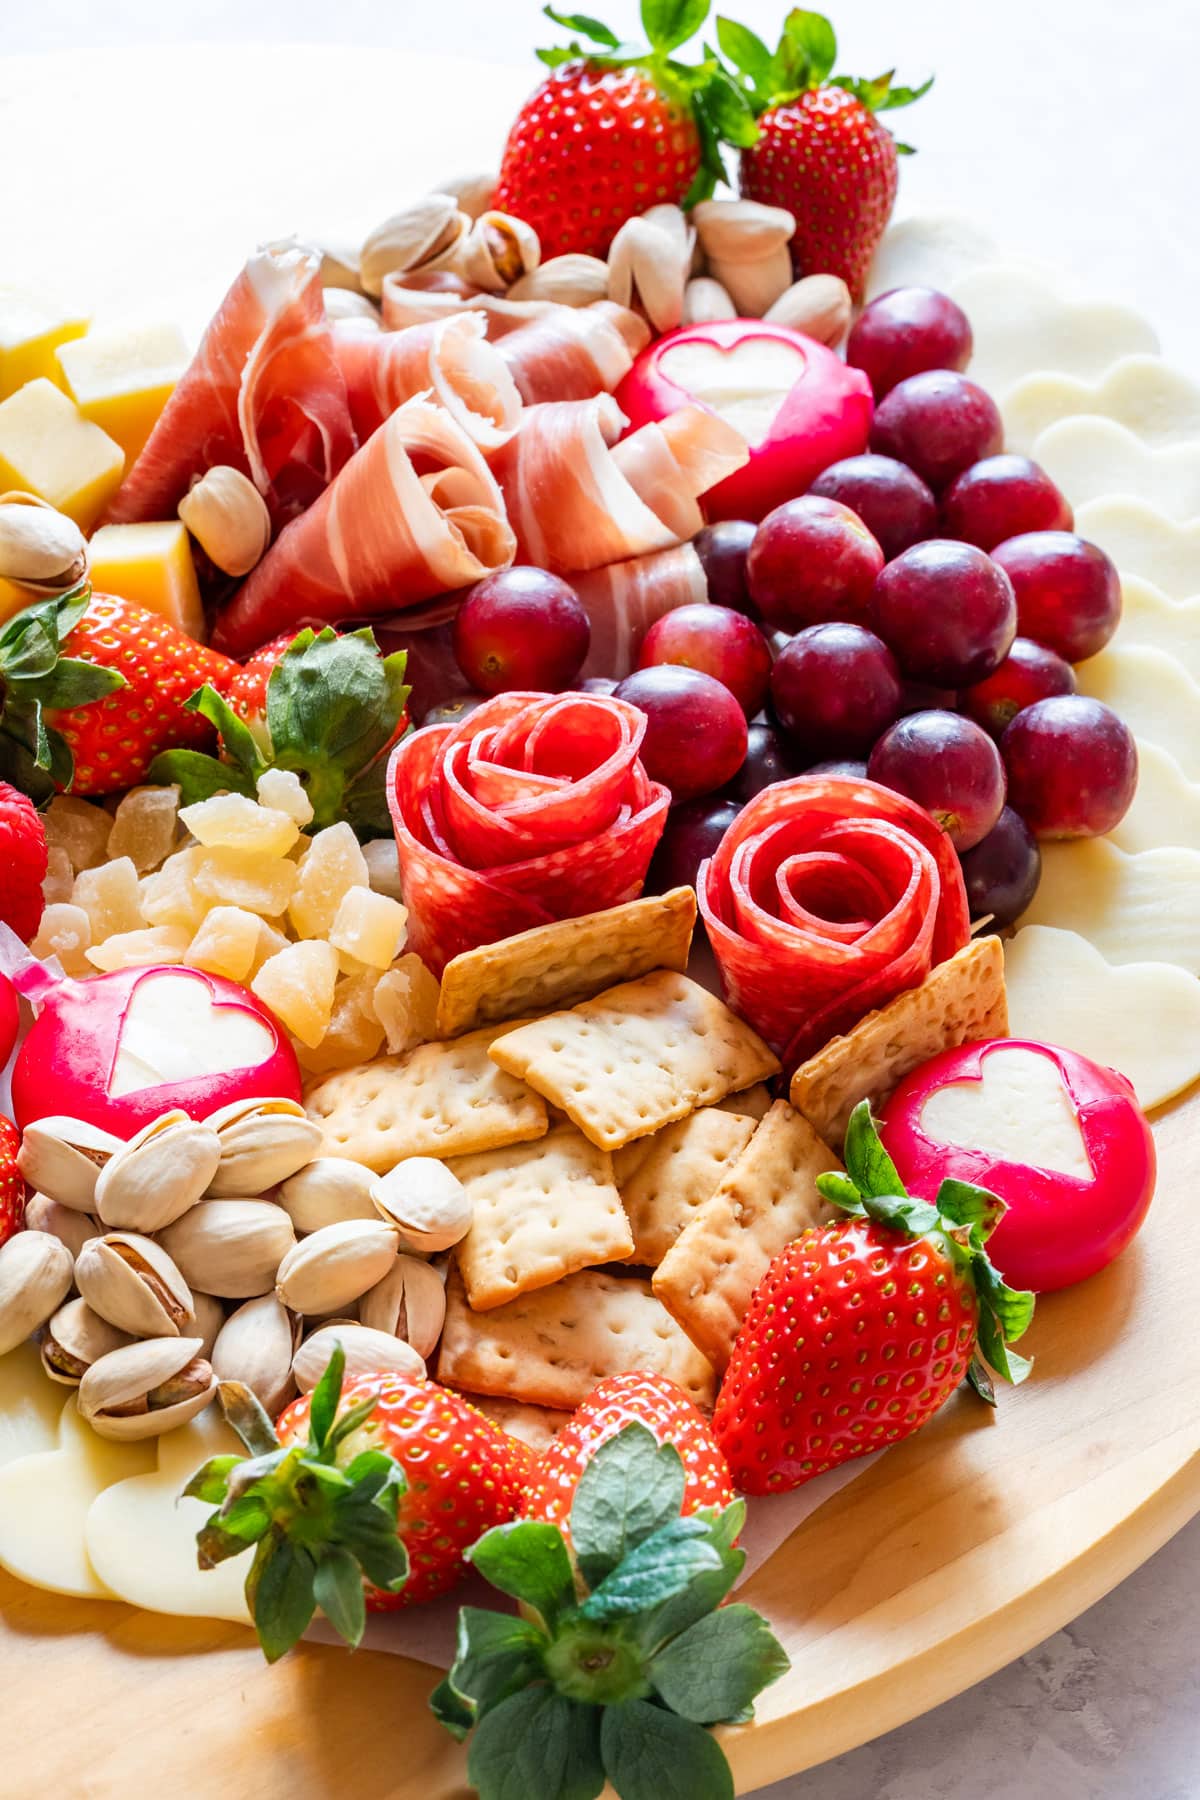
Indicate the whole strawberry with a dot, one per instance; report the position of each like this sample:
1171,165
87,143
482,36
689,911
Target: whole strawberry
821,152
615,129
12,1182
22,866
860,1330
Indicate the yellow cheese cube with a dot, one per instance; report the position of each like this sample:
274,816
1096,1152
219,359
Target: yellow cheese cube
150,565
48,450
31,330
122,378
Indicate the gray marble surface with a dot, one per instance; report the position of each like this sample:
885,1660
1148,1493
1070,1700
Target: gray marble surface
1070,94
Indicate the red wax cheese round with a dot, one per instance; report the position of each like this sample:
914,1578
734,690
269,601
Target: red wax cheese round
10,1018
797,404
1061,1140
120,1049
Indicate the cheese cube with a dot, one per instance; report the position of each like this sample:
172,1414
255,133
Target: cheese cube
122,378
47,449
31,330
150,565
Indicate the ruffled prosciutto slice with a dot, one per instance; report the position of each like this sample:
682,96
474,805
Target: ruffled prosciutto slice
827,897
573,352
416,512
624,599
449,358
263,394
578,499
535,807
443,297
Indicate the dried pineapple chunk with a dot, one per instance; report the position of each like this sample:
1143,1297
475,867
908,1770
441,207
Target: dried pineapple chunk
369,927
78,828
270,943
144,826
354,1035
298,985
245,878
332,865
59,878
227,943
171,897
383,867
405,1002
284,790
135,949
110,897
233,822
65,932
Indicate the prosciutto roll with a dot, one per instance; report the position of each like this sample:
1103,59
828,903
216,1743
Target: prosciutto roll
449,358
623,600
573,352
534,807
263,393
416,512
827,897
578,499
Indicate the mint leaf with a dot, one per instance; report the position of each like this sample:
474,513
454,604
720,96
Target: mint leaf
650,1754
338,1590
528,1559
669,23
811,33
631,1487
536,1743
662,1565
586,27
496,1655
748,54
197,776
279,1593
714,1670
867,1162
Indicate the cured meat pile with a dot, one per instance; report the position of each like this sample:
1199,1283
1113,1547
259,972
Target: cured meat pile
828,897
535,807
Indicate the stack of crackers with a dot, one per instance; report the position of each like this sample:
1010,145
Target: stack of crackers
631,1176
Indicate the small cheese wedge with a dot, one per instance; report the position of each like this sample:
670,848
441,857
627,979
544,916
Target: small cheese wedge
1143,393
152,566
45,1500
1093,457
141,1535
1143,1018
1142,541
1166,806
1131,908
1155,696
121,378
1022,325
47,449
31,331
30,1405
1150,619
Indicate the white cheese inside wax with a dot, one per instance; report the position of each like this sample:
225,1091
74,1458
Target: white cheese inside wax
744,385
1019,1112
173,1032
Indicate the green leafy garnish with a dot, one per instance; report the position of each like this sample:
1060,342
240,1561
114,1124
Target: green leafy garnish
804,58
36,679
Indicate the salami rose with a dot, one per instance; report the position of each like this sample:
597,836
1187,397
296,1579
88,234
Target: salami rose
534,807
825,898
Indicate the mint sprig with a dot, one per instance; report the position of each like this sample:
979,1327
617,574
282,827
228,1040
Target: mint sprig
961,1217
621,1659
317,1530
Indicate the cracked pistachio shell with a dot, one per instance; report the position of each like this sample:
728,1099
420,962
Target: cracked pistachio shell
35,1279
231,1248
425,1201
63,1158
409,1303
367,1352
153,1179
74,1339
333,1266
256,1345
133,1283
74,1229
330,1190
210,1316
146,1389
262,1142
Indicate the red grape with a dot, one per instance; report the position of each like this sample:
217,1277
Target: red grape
723,549
812,560
598,684
1001,496
692,833
718,641
848,767
1028,673
696,731
521,628
1068,591
939,424
947,611
905,332
947,765
834,688
768,759
922,696
1072,767
890,498
451,710
1002,871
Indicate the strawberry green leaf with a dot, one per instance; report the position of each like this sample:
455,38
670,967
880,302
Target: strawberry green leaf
731,114
789,69
631,1487
867,1162
280,1594
70,683
840,1191
669,23
1007,1363
197,776
715,1669
211,1480
528,1559
558,54
980,1378
903,96
1013,1307
748,54
237,740
325,1397
248,1417
338,1591
650,1754
707,1589
537,1743
662,1565
495,1655
586,27
812,33
963,1203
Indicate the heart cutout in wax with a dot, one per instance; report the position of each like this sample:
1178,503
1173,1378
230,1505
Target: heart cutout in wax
745,382
1018,1111
174,1030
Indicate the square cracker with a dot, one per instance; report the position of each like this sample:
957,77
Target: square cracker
540,1211
752,1103
438,1100
766,1199
644,1053
961,1001
537,1426
550,1348
571,959
681,1166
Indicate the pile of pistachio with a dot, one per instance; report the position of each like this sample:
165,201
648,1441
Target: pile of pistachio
220,1250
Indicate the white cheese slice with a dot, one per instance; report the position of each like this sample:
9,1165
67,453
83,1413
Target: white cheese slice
1143,393
30,1405
45,1500
1091,458
1142,541
173,1032
1019,1112
1022,325
746,384
1154,694
1166,806
929,250
1152,621
141,1536
1132,908
1143,1019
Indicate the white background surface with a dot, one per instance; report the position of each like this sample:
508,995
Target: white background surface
1065,126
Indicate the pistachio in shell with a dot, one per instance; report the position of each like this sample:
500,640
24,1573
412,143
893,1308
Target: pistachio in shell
74,1339
134,1283
409,1303
153,1179
63,1157
262,1142
327,1191
35,1279
425,1201
255,1346
143,1390
333,1266
367,1352
231,1248
74,1229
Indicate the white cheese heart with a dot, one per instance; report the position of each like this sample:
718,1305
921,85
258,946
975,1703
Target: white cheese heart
1138,908
30,1405
1019,1112
1166,807
1092,458
1149,620
745,385
1142,541
1152,691
172,1031
1022,324
1143,393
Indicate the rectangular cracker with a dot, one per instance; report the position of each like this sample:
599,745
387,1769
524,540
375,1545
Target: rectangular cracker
752,1103
537,1426
766,1199
628,1062
540,1211
682,1166
438,1100
550,1348
556,965
961,1001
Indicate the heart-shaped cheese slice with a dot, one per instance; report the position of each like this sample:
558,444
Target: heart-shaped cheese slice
929,250
1154,694
30,1405
174,1032
1166,806
1132,908
1149,620
1022,325
1143,393
1142,541
1090,458
745,384
1017,1112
